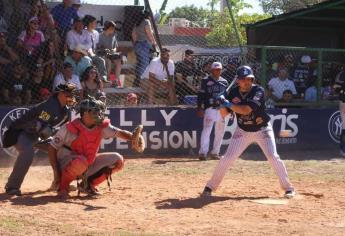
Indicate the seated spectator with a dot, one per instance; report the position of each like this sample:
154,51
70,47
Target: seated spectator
14,91
102,97
79,60
279,84
46,19
7,54
91,24
158,76
31,39
63,15
301,73
34,85
230,70
107,48
186,74
50,60
132,99
90,82
44,94
67,76
78,36
287,96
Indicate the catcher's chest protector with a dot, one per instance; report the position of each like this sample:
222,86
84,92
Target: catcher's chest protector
88,140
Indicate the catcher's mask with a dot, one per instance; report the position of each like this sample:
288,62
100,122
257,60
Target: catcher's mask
95,107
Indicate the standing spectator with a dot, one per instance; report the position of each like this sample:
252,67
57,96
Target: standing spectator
63,15
67,76
107,42
7,54
91,24
35,84
13,88
211,87
30,40
206,67
158,76
187,76
76,4
79,60
229,72
90,82
301,74
311,91
78,36
46,19
279,84
18,19
143,40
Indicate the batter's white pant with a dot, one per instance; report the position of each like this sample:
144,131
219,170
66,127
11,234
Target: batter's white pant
342,114
238,143
212,117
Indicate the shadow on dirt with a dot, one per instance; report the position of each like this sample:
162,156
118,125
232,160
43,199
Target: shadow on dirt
198,202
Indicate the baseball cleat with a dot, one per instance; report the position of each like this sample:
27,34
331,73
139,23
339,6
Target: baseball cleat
207,192
290,194
13,192
203,157
215,156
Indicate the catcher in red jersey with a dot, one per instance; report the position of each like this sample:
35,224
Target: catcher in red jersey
73,152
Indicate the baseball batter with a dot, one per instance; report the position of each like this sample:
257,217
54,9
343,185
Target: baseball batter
247,101
210,88
74,150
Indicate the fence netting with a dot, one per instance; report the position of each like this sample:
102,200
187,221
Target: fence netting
114,51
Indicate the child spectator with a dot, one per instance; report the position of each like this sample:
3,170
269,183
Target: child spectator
90,82
132,99
63,15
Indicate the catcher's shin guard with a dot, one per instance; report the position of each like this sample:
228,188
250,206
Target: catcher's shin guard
104,174
74,169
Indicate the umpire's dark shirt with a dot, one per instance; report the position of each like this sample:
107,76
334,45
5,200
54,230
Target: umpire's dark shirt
210,88
49,112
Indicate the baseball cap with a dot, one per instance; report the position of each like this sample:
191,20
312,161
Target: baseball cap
76,2
131,96
216,66
305,59
244,72
33,19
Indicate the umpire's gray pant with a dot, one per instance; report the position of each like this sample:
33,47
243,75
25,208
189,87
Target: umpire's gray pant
25,147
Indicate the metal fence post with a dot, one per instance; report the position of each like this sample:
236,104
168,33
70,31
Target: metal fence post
263,67
319,76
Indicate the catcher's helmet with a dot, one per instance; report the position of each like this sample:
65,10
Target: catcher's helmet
97,107
244,72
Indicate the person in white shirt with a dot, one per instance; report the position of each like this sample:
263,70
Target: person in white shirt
67,76
279,84
91,24
78,36
158,76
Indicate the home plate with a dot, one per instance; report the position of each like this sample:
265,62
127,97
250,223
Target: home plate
269,201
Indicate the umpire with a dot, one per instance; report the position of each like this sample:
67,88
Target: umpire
38,122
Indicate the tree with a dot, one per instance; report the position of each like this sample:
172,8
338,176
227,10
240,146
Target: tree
191,13
276,7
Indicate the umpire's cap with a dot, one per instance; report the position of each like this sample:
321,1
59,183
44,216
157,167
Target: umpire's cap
244,72
68,88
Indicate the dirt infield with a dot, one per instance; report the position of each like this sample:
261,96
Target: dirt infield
160,196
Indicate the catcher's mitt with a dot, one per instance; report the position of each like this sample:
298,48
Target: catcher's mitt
138,142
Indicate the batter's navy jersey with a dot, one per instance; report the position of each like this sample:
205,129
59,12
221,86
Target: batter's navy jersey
255,98
210,88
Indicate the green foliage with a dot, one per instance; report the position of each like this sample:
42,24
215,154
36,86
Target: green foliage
276,7
192,13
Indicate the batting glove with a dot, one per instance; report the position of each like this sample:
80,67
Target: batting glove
224,102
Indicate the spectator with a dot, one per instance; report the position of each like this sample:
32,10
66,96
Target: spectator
34,85
186,74
46,19
143,40
279,84
206,67
13,88
67,76
107,42
287,96
158,76
102,97
230,70
301,73
30,40
20,16
7,54
132,99
78,36
91,24
76,4
90,82
50,60
311,91
44,94
63,15
3,23
79,60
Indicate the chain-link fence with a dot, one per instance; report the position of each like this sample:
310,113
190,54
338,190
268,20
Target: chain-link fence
115,51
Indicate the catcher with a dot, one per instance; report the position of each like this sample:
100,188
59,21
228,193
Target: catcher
73,152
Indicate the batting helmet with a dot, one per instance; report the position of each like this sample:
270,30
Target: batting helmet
244,72
96,107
